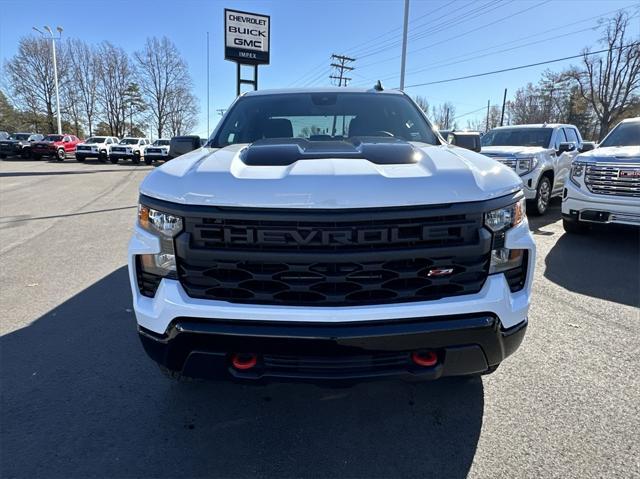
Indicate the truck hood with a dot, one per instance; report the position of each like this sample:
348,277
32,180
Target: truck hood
614,154
514,151
443,174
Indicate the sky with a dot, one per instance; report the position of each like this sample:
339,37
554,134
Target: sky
447,39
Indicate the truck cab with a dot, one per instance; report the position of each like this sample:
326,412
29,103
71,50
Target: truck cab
541,154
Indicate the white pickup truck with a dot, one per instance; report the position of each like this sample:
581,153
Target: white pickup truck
540,153
95,147
605,182
156,151
330,234
129,149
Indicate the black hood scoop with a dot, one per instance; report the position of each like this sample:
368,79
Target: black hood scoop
286,151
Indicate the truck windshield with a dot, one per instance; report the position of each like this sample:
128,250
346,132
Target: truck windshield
625,134
161,143
129,141
96,139
518,137
53,138
323,116
20,137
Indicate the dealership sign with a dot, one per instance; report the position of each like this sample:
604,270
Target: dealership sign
246,37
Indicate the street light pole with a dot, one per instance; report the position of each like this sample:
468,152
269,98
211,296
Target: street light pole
55,68
404,43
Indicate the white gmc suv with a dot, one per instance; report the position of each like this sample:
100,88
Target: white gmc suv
129,149
605,182
329,234
541,154
156,151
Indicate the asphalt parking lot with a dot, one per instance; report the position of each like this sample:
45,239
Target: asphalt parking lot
81,399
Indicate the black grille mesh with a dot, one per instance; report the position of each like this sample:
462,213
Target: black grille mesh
387,260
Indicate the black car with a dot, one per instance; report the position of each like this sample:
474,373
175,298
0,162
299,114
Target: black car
18,144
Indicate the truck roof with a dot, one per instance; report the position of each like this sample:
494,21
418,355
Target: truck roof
536,125
282,91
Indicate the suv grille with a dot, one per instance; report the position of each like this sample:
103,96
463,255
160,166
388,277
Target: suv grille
617,180
333,259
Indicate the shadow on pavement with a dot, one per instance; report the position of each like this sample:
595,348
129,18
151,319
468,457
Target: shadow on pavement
603,264
553,214
80,398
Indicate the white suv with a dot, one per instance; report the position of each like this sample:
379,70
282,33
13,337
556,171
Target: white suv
95,147
156,151
541,154
129,149
605,182
329,234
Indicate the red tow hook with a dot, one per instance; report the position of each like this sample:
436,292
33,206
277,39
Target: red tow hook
424,358
244,361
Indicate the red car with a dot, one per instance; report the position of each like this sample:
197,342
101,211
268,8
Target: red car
55,146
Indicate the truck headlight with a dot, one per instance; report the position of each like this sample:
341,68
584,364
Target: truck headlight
504,218
526,165
499,222
165,226
577,169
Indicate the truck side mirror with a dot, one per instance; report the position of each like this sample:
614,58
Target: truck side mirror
587,146
465,139
566,147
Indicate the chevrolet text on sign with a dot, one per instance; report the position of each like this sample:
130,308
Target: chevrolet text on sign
246,37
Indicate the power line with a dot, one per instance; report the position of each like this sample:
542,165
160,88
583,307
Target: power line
518,67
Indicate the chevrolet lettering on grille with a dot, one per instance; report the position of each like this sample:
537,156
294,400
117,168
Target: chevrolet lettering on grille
306,237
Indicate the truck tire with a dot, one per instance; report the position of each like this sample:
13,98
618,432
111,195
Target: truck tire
113,160
80,158
147,161
540,204
60,155
25,154
102,156
575,227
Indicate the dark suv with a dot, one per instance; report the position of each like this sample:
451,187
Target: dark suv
18,144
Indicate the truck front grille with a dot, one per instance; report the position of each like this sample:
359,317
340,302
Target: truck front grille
333,258
616,180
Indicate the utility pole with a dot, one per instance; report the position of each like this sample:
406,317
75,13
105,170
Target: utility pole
340,63
446,117
488,105
504,102
403,62
55,66
208,130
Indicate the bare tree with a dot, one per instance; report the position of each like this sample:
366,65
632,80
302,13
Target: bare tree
85,79
423,103
443,115
183,112
610,84
161,73
30,76
116,74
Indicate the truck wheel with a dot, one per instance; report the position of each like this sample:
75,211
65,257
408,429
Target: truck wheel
175,375
80,158
136,159
147,161
61,155
539,205
575,227
113,160
102,157
25,154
